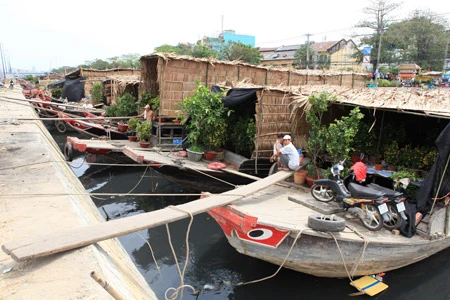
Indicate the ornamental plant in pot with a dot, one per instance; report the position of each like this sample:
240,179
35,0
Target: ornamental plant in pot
208,123
317,133
195,153
144,132
132,125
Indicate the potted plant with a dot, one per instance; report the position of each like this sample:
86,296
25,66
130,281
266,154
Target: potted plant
208,124
132,125
194,153
317,133
144,132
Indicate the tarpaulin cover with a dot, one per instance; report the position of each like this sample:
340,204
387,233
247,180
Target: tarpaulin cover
435,185
74,89
57,84
238,96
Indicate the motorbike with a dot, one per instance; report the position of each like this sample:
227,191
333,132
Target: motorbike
370,205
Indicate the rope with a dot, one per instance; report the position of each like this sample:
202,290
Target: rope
181,273
77,167
366,243
226,182
151,251
279,268
137,184
440,183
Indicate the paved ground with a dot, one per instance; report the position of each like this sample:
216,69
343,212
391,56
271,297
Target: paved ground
39,194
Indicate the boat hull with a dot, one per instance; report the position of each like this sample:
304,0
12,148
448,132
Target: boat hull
318,254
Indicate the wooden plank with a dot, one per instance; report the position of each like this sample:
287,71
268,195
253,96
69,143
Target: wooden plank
78,237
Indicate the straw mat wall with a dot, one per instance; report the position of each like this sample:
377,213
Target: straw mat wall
173,77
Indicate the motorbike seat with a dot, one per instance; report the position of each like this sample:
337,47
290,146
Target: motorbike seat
388,192
360,191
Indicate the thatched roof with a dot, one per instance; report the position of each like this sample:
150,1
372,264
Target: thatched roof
430,102
213,61
102,73
125,80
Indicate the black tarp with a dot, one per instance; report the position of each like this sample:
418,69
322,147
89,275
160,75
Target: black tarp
74,89
435,184
57,84
238,97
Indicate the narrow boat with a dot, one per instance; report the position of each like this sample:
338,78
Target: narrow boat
274,225
191,175
93,127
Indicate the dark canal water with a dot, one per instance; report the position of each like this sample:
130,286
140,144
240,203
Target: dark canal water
214,263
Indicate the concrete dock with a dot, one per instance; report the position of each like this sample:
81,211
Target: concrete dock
40,194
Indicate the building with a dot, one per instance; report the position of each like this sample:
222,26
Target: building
339,53
228,36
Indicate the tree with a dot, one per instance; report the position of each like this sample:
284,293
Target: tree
301,56
131,60
181,49
380,11
239,51
200,50
422,39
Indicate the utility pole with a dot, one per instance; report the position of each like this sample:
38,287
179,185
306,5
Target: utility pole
307,50
3,60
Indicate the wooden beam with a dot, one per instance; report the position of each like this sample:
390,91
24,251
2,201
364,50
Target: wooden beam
78,237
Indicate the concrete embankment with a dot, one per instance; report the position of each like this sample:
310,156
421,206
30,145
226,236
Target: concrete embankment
40,194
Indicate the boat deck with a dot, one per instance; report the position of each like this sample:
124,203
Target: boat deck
148,155
289,209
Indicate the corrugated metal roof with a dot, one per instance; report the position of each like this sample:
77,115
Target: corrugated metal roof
323,46
289,48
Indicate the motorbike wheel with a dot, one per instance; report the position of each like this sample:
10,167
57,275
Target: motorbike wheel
372,220
395,220
322,193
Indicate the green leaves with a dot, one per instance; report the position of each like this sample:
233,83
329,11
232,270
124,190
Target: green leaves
208,125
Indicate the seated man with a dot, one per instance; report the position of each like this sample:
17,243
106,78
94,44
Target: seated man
289,158
279,142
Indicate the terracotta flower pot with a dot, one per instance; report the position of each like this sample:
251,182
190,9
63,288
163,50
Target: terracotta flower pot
132,138
210,155
122,127
299,176
144,144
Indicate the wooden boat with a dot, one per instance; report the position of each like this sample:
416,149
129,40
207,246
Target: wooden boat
93,127
272,225
191,175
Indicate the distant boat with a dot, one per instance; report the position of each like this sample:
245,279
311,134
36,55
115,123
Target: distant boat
93,127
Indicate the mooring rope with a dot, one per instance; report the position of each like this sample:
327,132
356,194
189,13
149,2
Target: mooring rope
363,250
179,289
151,251
280,267
226,182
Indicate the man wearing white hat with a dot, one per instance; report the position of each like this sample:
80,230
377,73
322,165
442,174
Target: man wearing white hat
289,158
148,114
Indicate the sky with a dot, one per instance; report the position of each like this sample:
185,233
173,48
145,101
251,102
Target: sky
47,34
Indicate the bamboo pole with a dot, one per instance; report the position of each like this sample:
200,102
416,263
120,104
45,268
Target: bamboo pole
112,291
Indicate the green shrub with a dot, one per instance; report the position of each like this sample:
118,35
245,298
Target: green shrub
126,107
97,93
56,93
